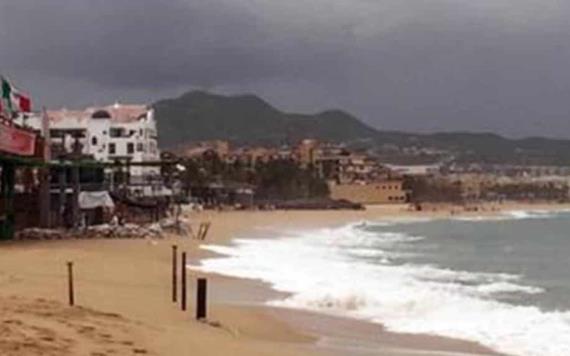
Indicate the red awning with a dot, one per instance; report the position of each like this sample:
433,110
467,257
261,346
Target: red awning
16,141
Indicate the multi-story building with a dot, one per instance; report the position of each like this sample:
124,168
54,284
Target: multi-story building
119,133
384,192
221,148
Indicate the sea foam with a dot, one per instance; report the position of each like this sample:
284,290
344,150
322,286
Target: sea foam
348,271
512,215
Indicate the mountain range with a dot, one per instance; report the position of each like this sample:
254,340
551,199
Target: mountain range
247,119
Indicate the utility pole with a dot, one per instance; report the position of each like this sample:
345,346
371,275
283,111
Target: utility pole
44,175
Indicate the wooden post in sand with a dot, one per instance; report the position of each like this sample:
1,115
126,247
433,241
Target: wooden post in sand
183,282
201,298
206,229
70,284
174,270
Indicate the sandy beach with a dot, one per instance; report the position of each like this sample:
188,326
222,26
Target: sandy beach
123,297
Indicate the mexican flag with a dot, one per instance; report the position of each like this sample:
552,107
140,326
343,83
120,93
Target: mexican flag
12,100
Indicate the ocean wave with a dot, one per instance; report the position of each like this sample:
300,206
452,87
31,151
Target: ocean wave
532,214
427,272
506,287
322,273
512,215
481,218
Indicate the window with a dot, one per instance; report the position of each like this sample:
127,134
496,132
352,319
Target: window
112,149
116,132
140,147
94,140
130,148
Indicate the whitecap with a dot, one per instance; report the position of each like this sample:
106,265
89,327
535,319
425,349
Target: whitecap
320,270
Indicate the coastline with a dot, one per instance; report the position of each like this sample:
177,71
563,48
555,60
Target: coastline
123,287
382,342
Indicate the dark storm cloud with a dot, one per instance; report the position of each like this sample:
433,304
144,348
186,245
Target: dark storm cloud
133,43
428,65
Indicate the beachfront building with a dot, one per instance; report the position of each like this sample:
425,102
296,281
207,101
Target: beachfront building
385,192
352,176
347,167
118,133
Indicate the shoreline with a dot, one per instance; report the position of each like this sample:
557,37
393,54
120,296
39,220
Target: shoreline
393,213
123,290
322,219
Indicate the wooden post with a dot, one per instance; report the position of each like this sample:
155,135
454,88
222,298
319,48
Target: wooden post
178,213
62,195
70,283
174,270
183,282
44,175
8,183
75,212
128,175
201,298
45,197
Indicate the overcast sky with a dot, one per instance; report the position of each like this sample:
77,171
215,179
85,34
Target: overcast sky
421,65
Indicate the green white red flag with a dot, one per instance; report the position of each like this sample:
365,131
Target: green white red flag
13,100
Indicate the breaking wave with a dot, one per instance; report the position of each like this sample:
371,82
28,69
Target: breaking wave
349,271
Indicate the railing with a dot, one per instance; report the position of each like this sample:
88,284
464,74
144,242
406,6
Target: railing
86,187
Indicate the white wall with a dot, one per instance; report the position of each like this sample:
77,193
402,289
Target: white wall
142,134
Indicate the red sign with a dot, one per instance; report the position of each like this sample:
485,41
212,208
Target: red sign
17,141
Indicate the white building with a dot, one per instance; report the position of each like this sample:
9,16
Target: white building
415,170
115,133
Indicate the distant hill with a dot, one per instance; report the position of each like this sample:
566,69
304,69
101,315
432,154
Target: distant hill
248,119
198,116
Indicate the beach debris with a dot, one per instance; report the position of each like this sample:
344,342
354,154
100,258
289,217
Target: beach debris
40,234
122,231
203,230
116,230
200,234
107,231
179,227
